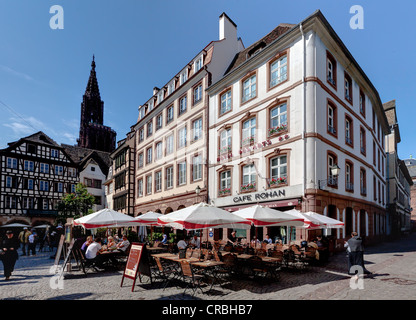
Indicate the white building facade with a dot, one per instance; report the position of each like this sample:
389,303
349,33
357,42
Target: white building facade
290,108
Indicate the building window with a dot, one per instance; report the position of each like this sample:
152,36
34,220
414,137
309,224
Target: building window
29,165
249,88
12,182
348,131
225,183
141,135
278,71
11,163
249,132
374,188
278,119
140,187
183,77
159,122
332,161
150,105
197,94
182,137
59,170
149,155
158,150
28,203
332,119
160,96
362,103
182,105
54,153
11,202
197,129
169,144
225,102
362,141
169,114
158,181
225,141
149,184
249,178
28,184
169,177
278,171
374,154
331,69
43,185
140,160
31,148
171,87
349,176
182,173
198,64
348,87
197,167
149,129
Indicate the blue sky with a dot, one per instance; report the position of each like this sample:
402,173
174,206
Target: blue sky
141,44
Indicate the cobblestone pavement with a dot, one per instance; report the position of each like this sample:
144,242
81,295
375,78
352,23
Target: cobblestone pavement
392,264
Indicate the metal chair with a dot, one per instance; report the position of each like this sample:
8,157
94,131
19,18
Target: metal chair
193,280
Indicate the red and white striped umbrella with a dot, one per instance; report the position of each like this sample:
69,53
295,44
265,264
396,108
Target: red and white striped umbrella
203,216
267,217
148,219
105,218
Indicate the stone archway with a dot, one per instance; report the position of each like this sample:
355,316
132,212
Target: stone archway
168,210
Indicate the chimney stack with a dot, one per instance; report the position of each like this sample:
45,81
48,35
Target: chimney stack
228,29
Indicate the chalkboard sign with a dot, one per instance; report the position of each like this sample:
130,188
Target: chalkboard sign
137,264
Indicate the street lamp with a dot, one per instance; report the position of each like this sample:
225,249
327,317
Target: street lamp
332,180
197,191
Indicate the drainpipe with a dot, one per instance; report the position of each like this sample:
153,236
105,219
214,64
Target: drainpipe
304,108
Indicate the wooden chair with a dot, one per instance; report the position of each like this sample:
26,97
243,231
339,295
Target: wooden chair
165,272
261,252
189,253
193,280
239,249
217,256
229,267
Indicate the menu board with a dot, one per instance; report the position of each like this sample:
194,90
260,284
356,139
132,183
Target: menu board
137,263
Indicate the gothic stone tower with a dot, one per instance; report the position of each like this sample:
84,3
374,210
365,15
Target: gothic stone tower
93,134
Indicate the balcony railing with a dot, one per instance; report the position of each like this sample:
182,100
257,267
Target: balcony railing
349,186
332,130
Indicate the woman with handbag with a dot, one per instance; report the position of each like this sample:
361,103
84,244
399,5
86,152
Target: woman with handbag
9,254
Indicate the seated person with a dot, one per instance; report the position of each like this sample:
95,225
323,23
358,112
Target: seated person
182,244
85,245
93,253
111,244
233,237
164,239
255,242
267,239
123,245
195,242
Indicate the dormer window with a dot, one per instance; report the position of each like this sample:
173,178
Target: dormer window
160,96
198,64
171,87
183,77
150,105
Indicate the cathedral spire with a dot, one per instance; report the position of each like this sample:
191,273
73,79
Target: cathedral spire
92,86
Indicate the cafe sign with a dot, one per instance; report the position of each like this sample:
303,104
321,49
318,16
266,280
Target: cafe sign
261,196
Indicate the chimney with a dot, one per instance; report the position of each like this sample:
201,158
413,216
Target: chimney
228,29
155,90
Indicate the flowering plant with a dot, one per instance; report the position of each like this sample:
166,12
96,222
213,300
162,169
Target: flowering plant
277,129
277,181
248,186
247,141
226,149
224,191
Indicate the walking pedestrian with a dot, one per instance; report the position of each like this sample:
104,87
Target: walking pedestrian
355,250
32,244
23,238
9,254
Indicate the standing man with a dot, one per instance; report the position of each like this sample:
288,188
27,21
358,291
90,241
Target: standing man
32,244
24,239
355,250
10,255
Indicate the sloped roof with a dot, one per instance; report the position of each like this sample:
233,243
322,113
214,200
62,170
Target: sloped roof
81,156
38,138
248,52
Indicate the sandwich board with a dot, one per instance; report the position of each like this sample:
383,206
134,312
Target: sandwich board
137,264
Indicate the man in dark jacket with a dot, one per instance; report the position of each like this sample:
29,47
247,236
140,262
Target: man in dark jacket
9,255
355,250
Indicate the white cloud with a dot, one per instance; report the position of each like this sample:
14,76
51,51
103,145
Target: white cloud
24,126
15,73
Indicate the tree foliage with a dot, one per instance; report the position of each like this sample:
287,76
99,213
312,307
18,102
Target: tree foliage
75,205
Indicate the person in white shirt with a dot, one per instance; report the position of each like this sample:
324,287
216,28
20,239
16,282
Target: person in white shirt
196,242
123,245
182,244
93,253
32,244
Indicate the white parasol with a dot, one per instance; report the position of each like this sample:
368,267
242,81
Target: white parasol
105,218
262,216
